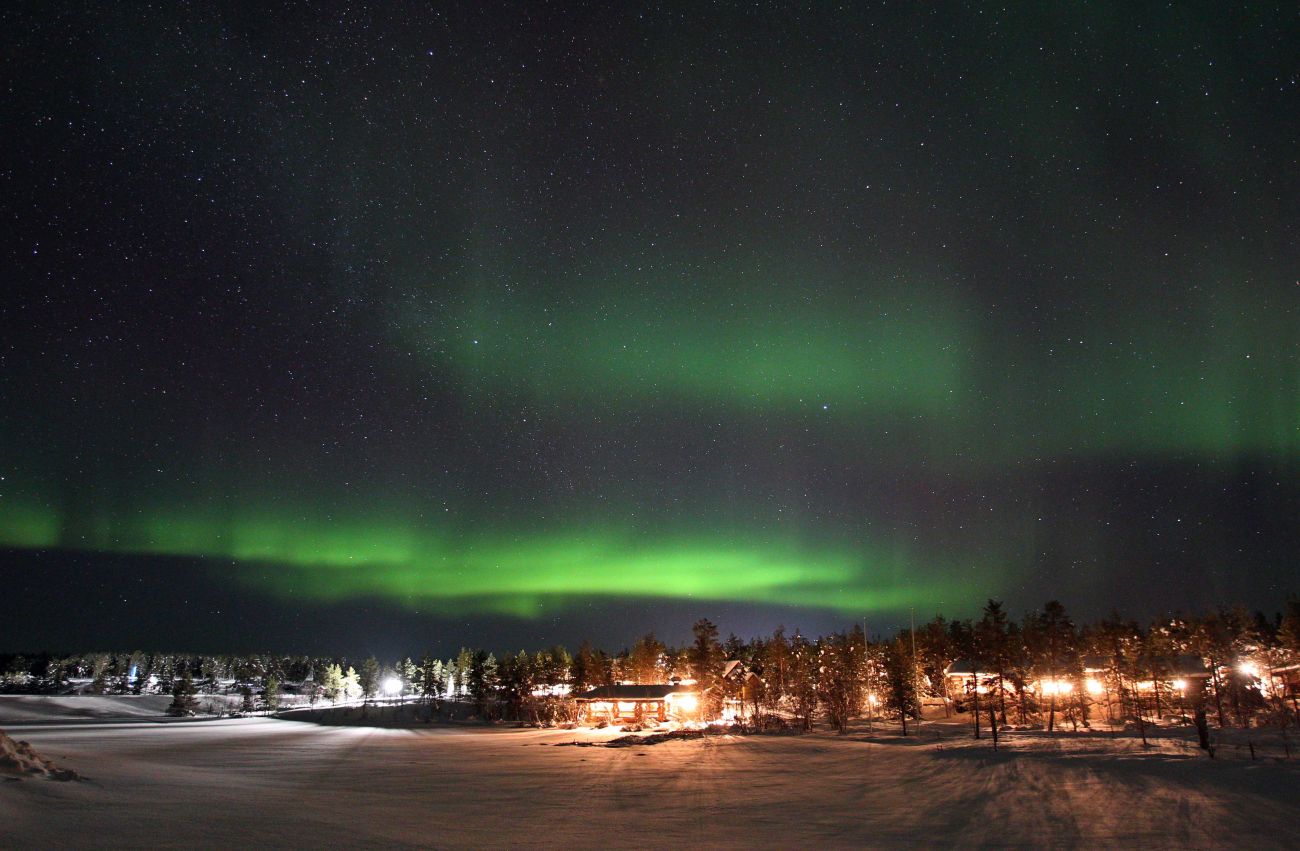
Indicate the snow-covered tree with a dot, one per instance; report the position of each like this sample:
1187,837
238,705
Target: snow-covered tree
801,682
351,684
841,660
332,683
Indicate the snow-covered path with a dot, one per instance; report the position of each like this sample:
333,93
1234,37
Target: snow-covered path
283,783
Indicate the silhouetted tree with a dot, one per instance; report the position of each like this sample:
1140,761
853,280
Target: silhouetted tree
706,666
183,701
368,678
900,674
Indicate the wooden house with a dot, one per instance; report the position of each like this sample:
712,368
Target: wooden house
621,704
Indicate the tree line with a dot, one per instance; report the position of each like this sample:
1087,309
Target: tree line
1041,669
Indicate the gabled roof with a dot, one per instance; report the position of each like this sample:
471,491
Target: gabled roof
626,692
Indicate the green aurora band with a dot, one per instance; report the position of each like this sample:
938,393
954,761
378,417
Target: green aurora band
520,575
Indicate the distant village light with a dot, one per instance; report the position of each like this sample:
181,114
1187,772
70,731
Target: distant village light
393,686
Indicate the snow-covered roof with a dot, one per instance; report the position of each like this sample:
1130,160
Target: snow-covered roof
966,668
634,692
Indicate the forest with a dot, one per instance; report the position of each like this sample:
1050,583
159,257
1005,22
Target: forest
1227,668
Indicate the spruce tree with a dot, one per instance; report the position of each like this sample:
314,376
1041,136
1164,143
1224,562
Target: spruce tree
706,667
430,679
332,685
368,679
246,704
271,697
900,674
183,700
351,685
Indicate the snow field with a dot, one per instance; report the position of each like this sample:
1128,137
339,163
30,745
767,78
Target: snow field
275,783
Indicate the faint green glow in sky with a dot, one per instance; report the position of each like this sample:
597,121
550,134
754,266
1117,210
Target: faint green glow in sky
1207,367
896,344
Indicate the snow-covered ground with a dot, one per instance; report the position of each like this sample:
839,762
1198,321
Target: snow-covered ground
269,782
28,708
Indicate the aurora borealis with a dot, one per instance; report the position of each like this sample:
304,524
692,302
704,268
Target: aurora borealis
527,323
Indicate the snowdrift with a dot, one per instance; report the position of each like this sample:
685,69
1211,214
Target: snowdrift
36,709
19,760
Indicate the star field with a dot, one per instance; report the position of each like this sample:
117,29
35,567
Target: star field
555,320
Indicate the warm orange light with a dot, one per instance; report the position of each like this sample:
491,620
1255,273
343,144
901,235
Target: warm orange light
1180,684
1095,686
686,702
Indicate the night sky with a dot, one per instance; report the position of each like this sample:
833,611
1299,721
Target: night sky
326,329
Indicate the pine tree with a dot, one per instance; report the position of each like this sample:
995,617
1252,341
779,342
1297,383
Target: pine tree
775,672
993,650
271,697
460,673
706,667
408,672
937,651
430,679
368,679
900,675
183,700
645,662
840,677
332,684
801,683
1055,650
246,705
351,684
588,668
101,673
482,681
